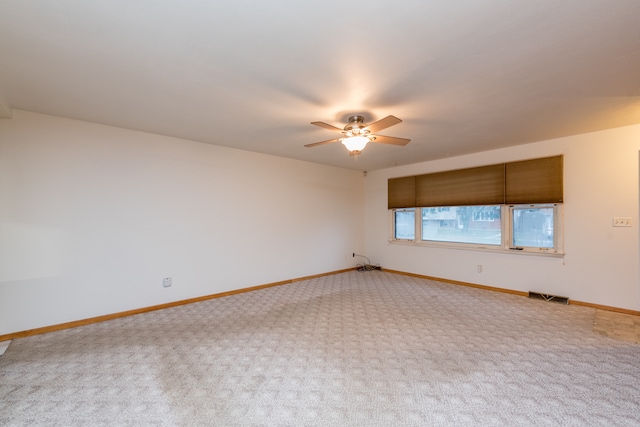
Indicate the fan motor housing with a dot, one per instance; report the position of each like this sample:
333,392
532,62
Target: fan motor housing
355,125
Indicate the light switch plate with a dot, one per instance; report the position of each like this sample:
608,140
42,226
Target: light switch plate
621,221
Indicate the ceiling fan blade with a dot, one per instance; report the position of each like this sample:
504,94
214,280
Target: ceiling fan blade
322,142
383,124
391,140
327,126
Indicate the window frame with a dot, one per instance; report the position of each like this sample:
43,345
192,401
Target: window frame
393,224
506,227
557,229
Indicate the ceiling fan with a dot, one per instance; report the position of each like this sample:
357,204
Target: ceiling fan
357,134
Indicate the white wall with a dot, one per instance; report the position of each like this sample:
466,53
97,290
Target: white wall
601,265
93,217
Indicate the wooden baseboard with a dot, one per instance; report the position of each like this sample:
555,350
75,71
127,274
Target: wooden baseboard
83,322
104,318
521,293
457,282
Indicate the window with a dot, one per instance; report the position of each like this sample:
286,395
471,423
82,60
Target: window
533,227
404,224
523,228
515,206
462,224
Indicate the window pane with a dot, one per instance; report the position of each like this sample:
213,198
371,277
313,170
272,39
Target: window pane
533,227
462,224
404,224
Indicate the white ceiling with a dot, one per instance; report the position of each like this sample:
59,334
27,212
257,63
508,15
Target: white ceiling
465,76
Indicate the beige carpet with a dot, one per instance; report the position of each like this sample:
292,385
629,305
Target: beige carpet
353,349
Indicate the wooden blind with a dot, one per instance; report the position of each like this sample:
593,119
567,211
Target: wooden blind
402,192
528,181
534,181
463,187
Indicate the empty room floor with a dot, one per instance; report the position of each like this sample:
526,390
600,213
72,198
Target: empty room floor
352,349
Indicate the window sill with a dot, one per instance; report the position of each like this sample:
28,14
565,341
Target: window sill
481,248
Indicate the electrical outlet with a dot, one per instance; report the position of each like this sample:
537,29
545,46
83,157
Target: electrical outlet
166,282
479,268
621,221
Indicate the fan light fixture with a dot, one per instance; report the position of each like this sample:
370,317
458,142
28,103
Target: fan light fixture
355,143
357,134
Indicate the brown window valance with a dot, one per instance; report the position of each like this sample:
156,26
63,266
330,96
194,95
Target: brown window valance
528,181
